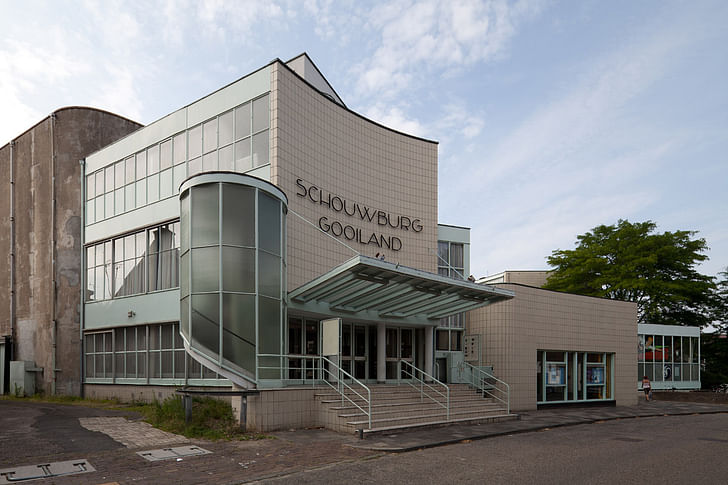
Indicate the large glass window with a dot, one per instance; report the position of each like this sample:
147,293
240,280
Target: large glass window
237,140
164,257
668,360
564,376
134,263
141,354
129,264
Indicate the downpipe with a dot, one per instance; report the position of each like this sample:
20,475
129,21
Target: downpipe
82,306
12,251
54,322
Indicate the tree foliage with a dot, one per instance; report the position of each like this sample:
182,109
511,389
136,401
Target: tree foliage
631,262
714,353
720,303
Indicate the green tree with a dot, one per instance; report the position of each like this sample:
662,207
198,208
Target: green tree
631,262
720,303
714,354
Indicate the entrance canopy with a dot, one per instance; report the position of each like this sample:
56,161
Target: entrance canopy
368,289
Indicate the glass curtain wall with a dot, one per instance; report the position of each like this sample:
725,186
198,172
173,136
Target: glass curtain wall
232,267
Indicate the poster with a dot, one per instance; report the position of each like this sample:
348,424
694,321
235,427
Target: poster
556,375
595,375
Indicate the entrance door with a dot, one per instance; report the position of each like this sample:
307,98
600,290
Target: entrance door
406,352
360,352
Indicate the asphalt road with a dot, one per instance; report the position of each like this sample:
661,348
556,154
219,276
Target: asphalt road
31,429
665,450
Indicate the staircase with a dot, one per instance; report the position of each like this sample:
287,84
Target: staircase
400,406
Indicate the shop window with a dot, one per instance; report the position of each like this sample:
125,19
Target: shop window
573,376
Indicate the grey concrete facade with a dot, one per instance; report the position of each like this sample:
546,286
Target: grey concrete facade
40,239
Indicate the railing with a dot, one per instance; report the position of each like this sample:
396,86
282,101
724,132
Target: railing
490,385
317,369
417,381
342,386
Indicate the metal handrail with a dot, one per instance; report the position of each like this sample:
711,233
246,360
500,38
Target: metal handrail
480,385
343,384
422,385
321,374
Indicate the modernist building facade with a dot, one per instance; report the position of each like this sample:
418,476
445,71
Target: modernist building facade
240,240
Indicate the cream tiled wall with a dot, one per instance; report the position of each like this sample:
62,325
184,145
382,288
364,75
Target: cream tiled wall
326,145
513,331
277,409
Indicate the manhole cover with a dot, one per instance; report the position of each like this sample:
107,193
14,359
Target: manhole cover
169,453
45,470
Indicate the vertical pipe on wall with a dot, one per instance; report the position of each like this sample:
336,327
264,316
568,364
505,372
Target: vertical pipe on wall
82,298
12,250
54,323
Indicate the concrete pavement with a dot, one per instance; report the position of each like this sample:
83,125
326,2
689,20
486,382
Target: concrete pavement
32,433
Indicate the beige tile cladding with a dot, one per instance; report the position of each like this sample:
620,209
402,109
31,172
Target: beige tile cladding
513,331
326,145
277,409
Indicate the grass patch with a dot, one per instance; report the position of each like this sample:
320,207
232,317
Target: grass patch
211,418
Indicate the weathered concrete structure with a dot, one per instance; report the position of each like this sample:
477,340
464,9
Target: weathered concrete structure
40,240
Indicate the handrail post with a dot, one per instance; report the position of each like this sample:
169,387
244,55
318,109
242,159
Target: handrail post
448,404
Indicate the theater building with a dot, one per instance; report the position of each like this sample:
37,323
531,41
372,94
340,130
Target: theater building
267,238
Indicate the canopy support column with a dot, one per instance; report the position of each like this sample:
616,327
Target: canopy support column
429,350
381,353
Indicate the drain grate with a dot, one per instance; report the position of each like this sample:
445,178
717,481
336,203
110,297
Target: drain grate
169,453
45,470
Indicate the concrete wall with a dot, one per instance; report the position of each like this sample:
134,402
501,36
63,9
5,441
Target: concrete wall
327,146
536,319
69,134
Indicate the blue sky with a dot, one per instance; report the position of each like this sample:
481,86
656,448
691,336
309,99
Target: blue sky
552,117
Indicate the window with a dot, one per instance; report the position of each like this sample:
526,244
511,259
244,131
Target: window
164,257
98,271
140,354
99,354
237,140
668,360
574,376
129,264
450,263
451,259
134,263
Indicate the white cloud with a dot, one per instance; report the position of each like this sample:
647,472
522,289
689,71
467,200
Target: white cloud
426,37
25,70
395,118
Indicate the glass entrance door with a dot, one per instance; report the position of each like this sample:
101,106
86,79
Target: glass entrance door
360,352
406,351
